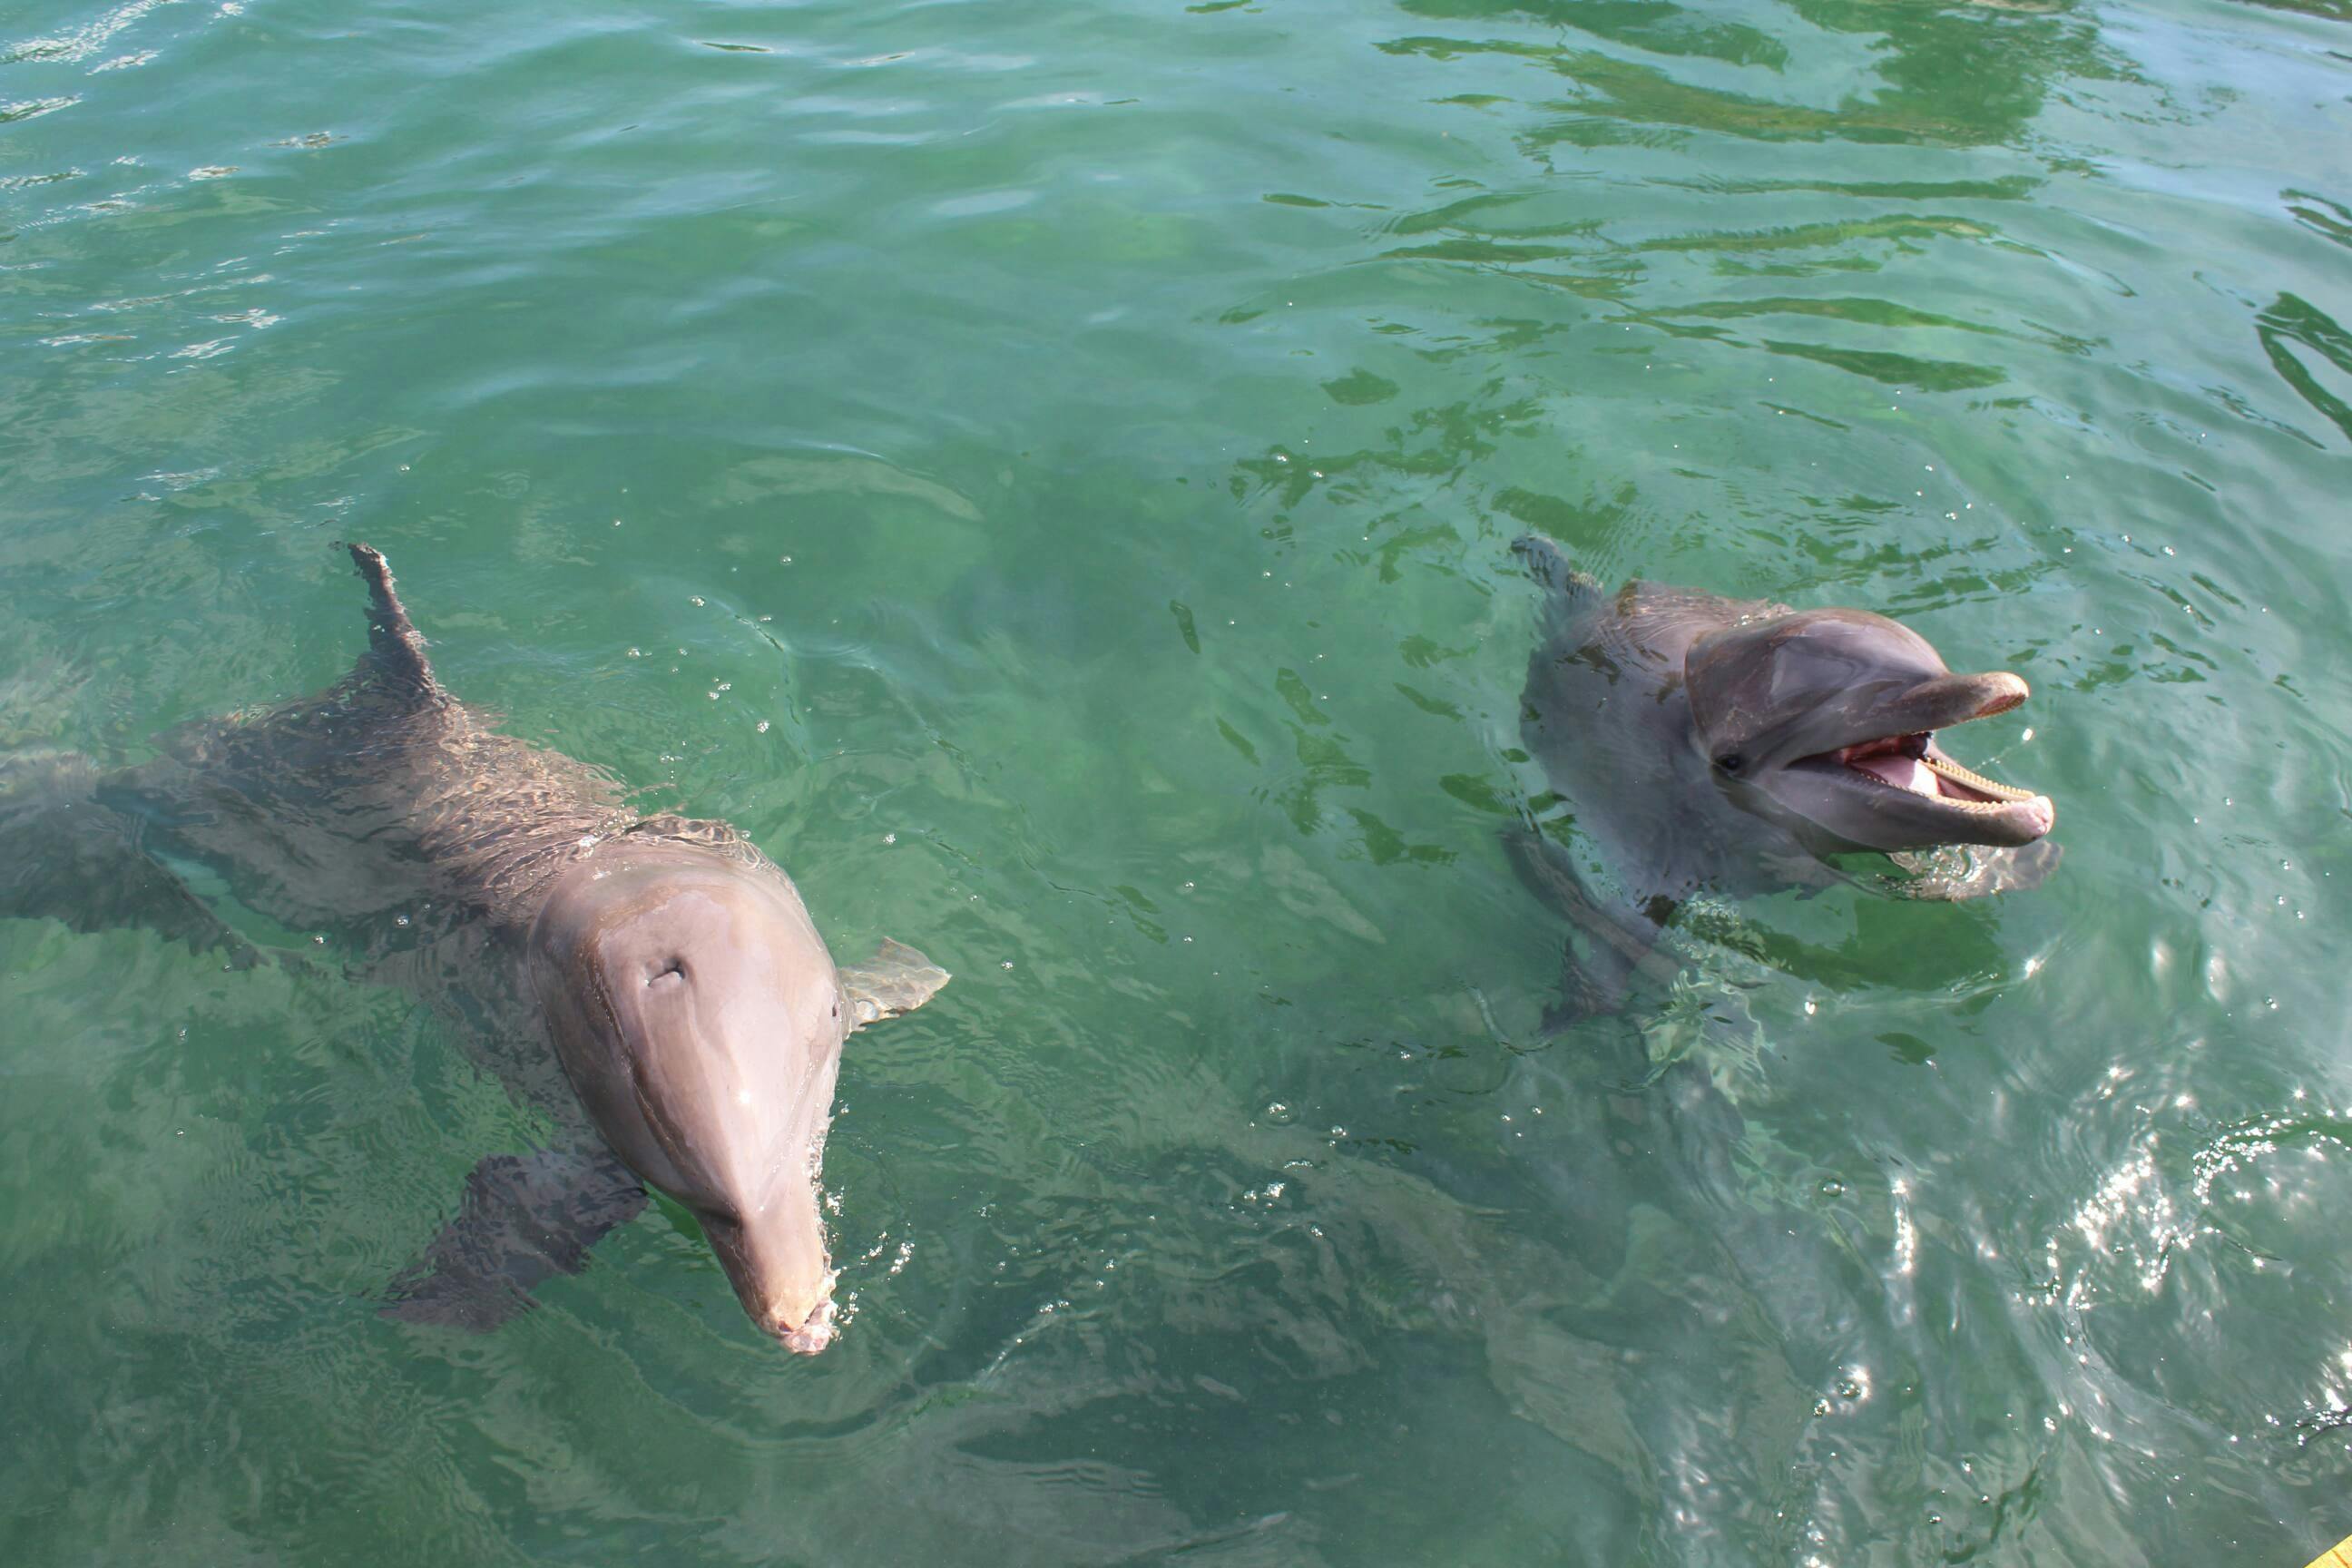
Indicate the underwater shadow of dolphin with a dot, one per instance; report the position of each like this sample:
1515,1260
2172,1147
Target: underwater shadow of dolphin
654,984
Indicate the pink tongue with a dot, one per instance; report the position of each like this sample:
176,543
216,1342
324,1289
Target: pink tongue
1902,773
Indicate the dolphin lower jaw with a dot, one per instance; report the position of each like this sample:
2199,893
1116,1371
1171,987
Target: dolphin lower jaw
1905,793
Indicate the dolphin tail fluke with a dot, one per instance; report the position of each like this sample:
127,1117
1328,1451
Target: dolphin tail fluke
524,1219
395,658
66,856
895,980
1549,565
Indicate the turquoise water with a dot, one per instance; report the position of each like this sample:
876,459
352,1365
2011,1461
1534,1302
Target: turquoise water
1045,471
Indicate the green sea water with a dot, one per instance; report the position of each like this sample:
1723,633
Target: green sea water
1046,471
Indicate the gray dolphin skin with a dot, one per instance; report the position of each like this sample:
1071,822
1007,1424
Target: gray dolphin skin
652,985
1709,743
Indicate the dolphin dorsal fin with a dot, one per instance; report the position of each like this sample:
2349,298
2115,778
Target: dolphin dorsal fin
395,660
895,980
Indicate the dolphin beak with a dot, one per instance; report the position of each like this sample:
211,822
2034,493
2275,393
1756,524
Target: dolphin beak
776,1260
1950,699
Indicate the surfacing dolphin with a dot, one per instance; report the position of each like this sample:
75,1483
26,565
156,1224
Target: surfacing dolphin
1707,744
654,984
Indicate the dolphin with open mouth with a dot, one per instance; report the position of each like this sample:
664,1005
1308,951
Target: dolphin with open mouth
1713,744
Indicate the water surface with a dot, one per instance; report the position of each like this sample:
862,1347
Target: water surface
1046,471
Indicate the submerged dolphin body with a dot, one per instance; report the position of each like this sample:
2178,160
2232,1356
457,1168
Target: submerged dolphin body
1707,744
652,984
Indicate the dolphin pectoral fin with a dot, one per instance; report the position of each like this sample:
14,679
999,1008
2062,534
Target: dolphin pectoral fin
895,980
1617,947
525,1218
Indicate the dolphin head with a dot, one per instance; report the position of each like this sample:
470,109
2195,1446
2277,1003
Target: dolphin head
1830,716
699,1019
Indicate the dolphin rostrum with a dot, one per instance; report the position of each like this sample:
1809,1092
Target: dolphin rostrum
652,983
1707,744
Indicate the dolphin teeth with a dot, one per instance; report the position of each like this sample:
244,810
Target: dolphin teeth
1969,778
1917,749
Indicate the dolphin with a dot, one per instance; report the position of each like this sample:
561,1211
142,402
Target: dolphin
652,984
1730,745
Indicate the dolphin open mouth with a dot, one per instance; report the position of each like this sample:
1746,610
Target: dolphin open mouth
1915,762
1909,768
1903,767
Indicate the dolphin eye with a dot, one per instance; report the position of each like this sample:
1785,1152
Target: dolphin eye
1732,764
674,969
